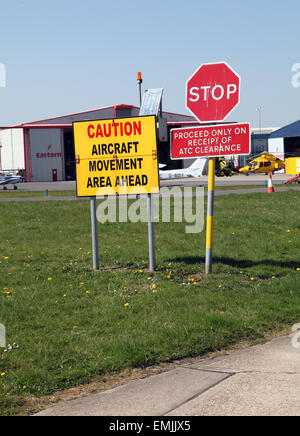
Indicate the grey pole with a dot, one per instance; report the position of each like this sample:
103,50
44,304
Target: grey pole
140,81
152,260
94,234
140,90
259,109
151,237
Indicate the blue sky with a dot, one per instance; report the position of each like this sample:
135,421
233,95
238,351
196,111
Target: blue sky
68,56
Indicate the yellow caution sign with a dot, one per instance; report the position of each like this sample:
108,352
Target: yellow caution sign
116,156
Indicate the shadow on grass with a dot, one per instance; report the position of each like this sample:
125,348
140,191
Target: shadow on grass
238,263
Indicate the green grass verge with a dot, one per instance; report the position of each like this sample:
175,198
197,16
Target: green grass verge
73,325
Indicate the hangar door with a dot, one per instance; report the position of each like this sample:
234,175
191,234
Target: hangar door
46,155
292,147
69,150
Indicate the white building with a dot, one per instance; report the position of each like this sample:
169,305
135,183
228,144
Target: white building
11,149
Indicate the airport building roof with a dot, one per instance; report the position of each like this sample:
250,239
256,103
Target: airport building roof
116,111
289,131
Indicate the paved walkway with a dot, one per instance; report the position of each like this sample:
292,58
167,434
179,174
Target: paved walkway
260,380
241,179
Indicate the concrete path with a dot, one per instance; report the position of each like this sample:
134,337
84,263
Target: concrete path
241,179
260,380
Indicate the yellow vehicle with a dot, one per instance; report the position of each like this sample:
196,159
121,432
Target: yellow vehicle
223,168
293,168
266,163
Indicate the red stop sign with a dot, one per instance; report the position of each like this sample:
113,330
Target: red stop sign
212,92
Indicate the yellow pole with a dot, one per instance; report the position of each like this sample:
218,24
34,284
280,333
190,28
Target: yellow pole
210,214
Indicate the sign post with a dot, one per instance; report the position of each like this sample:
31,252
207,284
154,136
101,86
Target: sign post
94,234
212,93
210,214
210,141
117,156
150,105
151,236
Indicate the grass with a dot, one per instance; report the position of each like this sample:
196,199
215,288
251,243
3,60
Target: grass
73,325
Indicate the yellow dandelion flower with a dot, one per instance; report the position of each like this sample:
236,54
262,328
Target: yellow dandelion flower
126,304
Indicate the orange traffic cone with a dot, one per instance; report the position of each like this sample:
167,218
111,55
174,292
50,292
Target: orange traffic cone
270,185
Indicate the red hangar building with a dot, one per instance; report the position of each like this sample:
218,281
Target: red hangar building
44,151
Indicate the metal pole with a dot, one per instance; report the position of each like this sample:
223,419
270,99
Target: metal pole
94,234
151,237
140,90
210,215
259,109
140,81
